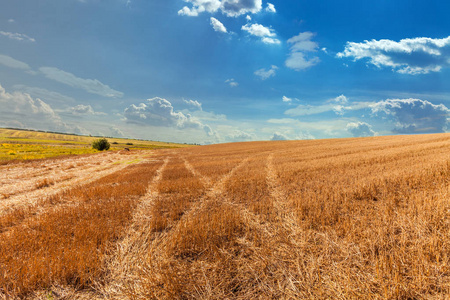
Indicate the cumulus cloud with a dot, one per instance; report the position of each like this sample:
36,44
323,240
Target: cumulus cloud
160,112
265,33
81,110
408,56
360,129
21,109
13,63
265,74
232,82
413,115
231,8
248,18
301,46
279,137
240,136
217,25
116,132
17,36
92,86
270,8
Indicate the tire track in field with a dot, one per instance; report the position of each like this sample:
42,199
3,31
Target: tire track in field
130,253
212,193
204,179
85,176
284,212
216,191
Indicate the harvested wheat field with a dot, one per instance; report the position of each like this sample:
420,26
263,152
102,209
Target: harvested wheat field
365,218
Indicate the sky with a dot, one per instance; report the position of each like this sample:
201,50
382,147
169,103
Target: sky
215,71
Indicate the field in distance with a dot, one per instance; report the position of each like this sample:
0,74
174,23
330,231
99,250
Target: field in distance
27,144
362,218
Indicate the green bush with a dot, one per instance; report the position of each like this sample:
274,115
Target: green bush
101,144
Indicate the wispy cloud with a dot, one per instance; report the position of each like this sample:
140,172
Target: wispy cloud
193,103
265,74
240,136
232,82
44,94
408,56
17,36
13,63
92,86
301,47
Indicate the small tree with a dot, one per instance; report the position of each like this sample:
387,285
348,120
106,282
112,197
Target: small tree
101,144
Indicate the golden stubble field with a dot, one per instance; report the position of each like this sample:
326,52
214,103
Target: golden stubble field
328,219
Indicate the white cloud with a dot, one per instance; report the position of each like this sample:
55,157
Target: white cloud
408,56
338,105
360,129
286,99
81,110
301,45
305,136
270,8
92,86
17,36
48,96
258,30
231,8
248,18
160,112
279,137
217,25
240,136
413,115
116,132
306,110
193,103
265,74
265,33
11,21
341,99
21,109
13,63
267,40
232,82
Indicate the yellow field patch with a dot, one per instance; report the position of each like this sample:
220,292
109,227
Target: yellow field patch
27,144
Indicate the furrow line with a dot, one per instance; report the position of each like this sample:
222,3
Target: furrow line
122,265
204,179
251,217
284,211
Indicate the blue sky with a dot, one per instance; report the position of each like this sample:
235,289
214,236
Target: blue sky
211,71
